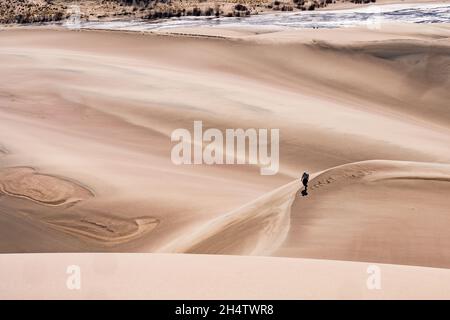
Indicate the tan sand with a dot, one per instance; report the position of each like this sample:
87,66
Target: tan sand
92,114
25,183
159,276
354,210
257,228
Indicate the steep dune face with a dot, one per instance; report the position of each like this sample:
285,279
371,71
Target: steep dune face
258,228
92,115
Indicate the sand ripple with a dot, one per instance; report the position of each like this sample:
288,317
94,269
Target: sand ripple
107,230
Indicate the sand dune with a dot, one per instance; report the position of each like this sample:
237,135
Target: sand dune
384,211
257,228
105,229
376,211
85,128
186,276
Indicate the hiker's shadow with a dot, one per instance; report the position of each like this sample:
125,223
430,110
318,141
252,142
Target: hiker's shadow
305,192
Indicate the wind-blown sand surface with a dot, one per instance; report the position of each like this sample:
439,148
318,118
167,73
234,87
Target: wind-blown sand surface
86,118
186,276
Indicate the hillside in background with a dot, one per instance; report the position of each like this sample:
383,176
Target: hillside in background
37,11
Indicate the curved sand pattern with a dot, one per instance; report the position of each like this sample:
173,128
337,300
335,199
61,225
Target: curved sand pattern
49,190
106,230
53,191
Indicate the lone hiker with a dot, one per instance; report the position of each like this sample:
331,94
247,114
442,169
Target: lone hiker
305,178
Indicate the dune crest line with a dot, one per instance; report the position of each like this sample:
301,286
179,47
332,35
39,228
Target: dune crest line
256,228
